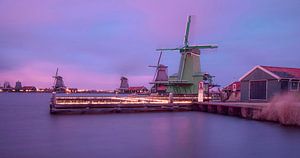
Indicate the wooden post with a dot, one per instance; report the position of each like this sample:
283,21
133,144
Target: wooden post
171,98
200,91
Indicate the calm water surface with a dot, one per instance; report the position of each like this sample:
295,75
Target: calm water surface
28,130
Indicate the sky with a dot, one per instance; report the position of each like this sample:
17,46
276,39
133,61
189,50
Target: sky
95,42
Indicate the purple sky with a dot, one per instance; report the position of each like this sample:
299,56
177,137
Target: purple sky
95,42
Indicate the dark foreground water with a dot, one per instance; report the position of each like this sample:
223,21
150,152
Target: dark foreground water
28,130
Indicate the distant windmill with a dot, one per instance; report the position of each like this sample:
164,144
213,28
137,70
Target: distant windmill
58,85
160,77
124,86
189,72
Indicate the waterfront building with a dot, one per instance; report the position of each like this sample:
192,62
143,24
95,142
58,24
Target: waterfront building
124,87
18,86
71,90
45,90
29,89
138,89
263,82
7,87
232,91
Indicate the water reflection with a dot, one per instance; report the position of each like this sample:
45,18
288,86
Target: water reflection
28,130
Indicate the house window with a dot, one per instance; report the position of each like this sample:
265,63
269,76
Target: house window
294,85
258,90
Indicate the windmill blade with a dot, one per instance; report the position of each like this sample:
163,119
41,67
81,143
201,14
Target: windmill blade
54,83
187,31
159,58
155,75
56,72
202,47
168,49
55,78
156,71
183,65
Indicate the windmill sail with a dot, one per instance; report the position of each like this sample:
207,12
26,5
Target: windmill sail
187,31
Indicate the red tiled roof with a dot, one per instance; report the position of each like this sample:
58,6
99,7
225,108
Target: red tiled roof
284,72
28,88
230,87
136,88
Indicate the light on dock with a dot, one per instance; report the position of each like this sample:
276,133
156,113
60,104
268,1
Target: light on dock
119,100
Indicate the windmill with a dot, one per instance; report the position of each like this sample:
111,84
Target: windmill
58,85
189,74
160,77
124,86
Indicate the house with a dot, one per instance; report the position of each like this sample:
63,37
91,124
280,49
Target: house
233,87
140,89
263,82
7,87
71,90
232,91
29,89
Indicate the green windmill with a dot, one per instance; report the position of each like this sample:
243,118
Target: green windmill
189,72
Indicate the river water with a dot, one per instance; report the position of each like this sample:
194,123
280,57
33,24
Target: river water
28,130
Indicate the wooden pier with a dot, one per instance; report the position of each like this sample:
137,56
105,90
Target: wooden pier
81,105
69,105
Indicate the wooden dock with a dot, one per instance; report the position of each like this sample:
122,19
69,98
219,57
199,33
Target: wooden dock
112,104
81,105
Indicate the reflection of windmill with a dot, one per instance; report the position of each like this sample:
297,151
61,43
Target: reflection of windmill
160,77
189,72
58,85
